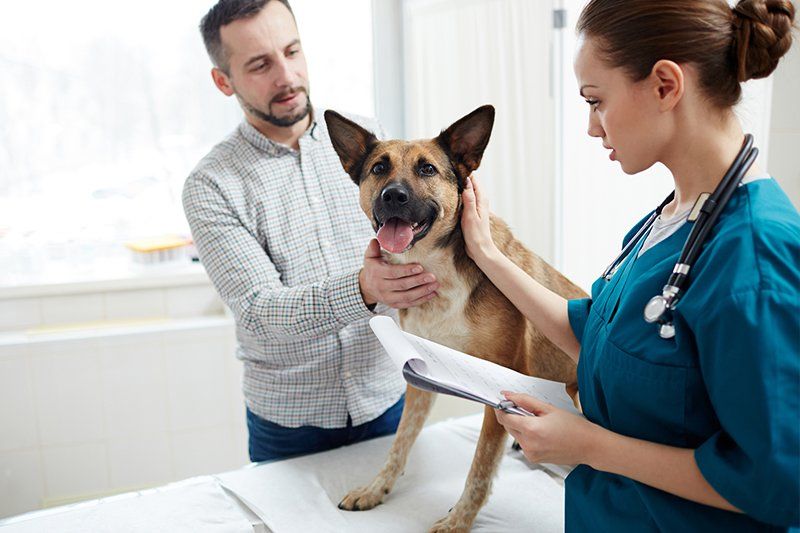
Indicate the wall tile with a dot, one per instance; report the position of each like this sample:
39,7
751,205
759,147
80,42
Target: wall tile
204,451
72,309
236,398
68,391
14,350
224,331
197,300
17,411
139,462
137,304
134,385
75,471
239,439
21,487
197,394
19,313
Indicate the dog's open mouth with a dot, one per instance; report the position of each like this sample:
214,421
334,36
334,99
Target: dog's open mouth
397,235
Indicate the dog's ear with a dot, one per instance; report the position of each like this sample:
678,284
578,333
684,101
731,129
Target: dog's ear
351,142
466,139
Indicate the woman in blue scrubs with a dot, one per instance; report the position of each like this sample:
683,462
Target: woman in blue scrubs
698,432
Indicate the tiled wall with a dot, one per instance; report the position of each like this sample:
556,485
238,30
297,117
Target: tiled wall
113,391
37,313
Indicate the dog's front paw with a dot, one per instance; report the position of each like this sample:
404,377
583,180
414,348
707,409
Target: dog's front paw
450,524
362,499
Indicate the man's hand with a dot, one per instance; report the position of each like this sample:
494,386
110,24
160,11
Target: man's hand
398,286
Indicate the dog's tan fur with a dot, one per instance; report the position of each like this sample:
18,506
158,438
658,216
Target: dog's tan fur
469,314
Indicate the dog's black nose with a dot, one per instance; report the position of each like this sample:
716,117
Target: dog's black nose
395,194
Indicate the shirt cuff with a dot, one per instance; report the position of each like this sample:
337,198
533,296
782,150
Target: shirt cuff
345,300
578,313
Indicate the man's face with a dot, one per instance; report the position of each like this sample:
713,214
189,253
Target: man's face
267,68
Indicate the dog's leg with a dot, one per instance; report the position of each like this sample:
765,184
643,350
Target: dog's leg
417,406
479,481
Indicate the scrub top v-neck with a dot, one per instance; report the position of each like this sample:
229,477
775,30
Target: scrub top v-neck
727,385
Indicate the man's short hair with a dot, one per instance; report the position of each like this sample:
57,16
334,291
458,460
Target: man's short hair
225,12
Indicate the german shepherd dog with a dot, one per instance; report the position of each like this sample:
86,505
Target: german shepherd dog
411,191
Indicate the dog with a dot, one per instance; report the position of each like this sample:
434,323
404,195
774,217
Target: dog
411,191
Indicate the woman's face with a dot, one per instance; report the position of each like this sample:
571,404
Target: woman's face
623,113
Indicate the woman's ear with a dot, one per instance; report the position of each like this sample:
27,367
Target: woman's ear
669,83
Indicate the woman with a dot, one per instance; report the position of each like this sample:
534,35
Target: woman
698,431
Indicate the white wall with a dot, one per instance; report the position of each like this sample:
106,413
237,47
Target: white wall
600,203
460,54
545,176
337,41
784,145
388,65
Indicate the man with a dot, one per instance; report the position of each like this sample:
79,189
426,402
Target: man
278,227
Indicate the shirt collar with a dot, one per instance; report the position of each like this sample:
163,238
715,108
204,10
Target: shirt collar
264,143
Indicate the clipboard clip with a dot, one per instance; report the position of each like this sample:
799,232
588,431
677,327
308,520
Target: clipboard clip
510,407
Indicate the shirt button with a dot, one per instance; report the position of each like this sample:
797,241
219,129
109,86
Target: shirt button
326,244
315,200
348,375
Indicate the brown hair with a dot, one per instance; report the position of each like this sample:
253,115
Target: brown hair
728,46
224,12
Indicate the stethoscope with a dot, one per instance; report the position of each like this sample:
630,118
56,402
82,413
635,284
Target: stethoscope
705,213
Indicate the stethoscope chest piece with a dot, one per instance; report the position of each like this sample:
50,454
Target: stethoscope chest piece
658,310
667,331
655,309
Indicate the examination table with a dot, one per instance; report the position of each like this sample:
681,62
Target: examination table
301,494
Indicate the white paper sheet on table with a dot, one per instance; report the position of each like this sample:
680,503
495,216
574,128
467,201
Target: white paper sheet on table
198,505
302,494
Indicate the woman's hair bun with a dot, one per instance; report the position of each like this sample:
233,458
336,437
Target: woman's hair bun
762,35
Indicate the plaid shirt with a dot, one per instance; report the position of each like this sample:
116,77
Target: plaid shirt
282,237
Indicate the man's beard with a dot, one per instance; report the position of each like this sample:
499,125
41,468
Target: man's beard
281,122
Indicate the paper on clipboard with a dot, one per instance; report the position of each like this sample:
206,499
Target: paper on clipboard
431,366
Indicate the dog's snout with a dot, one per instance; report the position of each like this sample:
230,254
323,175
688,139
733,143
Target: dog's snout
395,194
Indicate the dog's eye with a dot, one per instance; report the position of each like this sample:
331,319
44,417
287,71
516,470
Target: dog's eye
379,168
427,169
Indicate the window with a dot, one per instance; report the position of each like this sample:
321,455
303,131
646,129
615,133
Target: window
108,106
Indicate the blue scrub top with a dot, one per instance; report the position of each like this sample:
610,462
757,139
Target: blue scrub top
727,385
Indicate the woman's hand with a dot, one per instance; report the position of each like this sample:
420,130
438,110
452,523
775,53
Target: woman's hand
475,222
552,436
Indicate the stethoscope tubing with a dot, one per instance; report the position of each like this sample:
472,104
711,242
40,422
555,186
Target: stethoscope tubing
631,244
697,245
658,309
710,212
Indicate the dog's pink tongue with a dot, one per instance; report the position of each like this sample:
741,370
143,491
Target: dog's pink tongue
395,235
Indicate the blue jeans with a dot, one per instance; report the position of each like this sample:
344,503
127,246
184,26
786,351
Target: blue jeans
269,441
